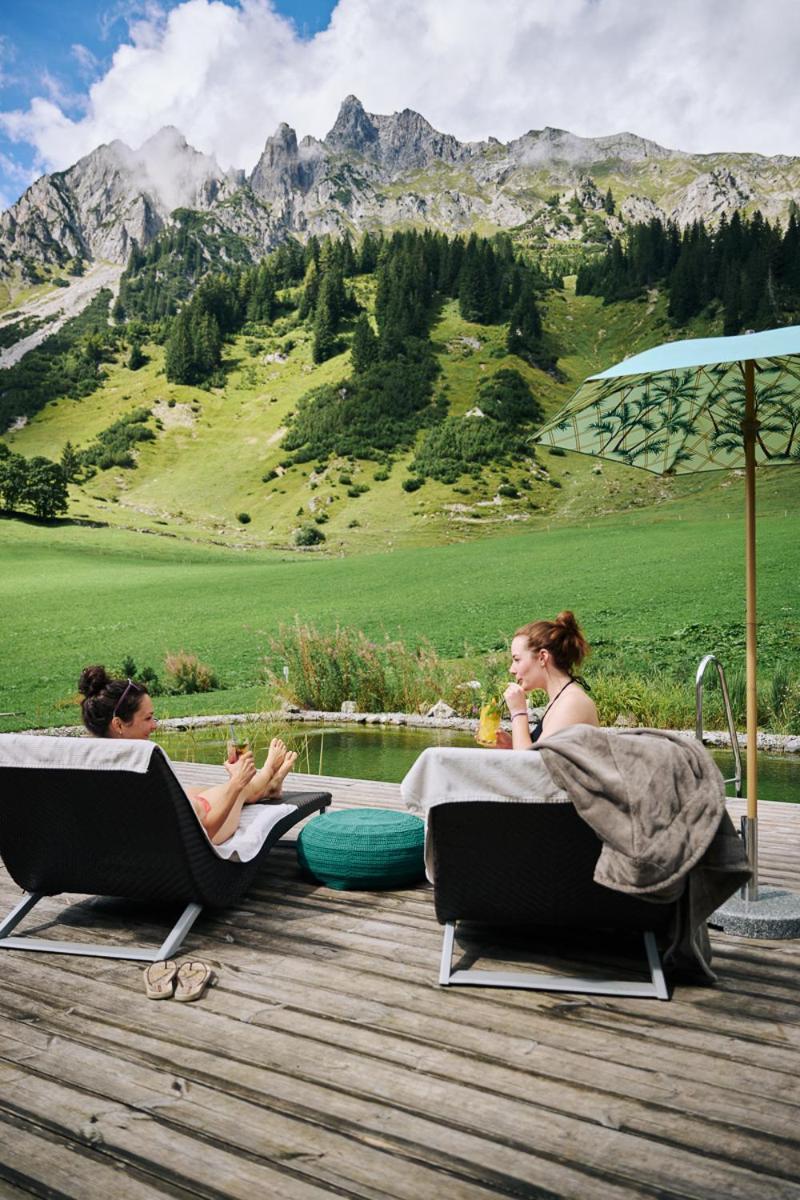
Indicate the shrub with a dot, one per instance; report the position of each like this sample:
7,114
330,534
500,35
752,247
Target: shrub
506,397
508,489
186,674
412,484
269,475
358,489
308,535
113,446
146,676
243,518
556,451
381,475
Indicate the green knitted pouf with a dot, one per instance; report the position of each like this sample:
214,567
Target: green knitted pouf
363,848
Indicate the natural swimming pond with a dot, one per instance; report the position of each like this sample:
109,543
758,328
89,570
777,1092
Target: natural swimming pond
386,752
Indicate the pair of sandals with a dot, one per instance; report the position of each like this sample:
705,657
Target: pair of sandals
166,980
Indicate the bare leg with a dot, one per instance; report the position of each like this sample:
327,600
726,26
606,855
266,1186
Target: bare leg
224,800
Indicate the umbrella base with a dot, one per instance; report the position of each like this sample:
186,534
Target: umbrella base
774,914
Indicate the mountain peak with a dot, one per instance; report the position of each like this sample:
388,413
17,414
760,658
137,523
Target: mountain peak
353,128
167,139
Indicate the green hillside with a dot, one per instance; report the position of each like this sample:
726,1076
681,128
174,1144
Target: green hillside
214,446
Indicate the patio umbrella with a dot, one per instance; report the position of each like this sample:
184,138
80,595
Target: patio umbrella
699,405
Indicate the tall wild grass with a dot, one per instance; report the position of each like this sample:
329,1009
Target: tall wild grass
320,670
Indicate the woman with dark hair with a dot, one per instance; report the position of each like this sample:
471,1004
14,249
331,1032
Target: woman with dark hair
121,708
544,657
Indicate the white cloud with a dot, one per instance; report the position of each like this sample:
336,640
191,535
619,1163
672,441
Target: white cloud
688,75
87,62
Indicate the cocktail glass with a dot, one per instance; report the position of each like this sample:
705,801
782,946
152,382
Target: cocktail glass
488,723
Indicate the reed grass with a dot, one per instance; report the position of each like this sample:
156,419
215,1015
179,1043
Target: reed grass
320,670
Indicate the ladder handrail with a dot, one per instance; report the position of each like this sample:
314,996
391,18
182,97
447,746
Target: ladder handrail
705,662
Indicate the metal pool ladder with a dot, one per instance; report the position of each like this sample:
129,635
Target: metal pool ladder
748,828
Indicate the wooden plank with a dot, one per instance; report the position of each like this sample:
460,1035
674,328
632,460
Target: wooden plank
34,1162
458,1104
468,1166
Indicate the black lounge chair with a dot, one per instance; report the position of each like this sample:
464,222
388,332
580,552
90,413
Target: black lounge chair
528,864
94,827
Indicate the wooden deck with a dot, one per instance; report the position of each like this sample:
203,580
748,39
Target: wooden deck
327,1061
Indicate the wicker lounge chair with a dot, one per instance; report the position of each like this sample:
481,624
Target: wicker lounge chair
528,864
110,818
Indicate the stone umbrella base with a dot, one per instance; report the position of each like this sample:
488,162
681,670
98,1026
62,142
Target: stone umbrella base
773,914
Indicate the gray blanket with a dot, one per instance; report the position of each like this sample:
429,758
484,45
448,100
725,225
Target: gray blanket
657,802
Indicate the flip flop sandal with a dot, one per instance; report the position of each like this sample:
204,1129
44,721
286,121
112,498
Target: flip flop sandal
159,979
193,979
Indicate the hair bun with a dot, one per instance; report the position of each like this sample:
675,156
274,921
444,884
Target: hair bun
566,620
92,681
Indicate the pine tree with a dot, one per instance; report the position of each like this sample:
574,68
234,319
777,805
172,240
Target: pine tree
525,332
70,462
311,285
368,253
608,203
364,349
324,343
206,344
178,351
136,358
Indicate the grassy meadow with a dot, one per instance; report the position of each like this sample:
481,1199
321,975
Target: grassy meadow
655,589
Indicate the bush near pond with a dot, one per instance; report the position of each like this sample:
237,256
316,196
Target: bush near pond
185,674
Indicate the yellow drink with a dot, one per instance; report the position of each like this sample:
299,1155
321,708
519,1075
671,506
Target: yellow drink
488,724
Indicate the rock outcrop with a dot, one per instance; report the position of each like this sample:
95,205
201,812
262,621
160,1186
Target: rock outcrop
377,171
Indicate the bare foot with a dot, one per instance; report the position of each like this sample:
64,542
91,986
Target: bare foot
276,784
262,780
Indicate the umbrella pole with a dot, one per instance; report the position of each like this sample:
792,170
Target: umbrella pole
750,822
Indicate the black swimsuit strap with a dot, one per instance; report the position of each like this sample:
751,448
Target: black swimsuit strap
558,693
536,730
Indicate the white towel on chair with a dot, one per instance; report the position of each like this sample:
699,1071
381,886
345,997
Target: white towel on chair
255,824
443,774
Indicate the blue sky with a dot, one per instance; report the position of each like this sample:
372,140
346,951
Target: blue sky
57,48
77,73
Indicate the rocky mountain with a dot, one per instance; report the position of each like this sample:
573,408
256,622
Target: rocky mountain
375,171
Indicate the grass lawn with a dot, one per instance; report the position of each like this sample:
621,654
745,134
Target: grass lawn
654,587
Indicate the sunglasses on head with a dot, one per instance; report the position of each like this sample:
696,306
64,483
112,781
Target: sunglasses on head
118,705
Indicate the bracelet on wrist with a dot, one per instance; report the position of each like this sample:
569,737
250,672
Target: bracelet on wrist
520,714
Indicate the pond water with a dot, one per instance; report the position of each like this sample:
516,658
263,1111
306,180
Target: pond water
386,752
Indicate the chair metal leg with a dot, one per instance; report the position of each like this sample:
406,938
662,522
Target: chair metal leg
169,946
540,982
19,911
654,963
447,954
177,934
